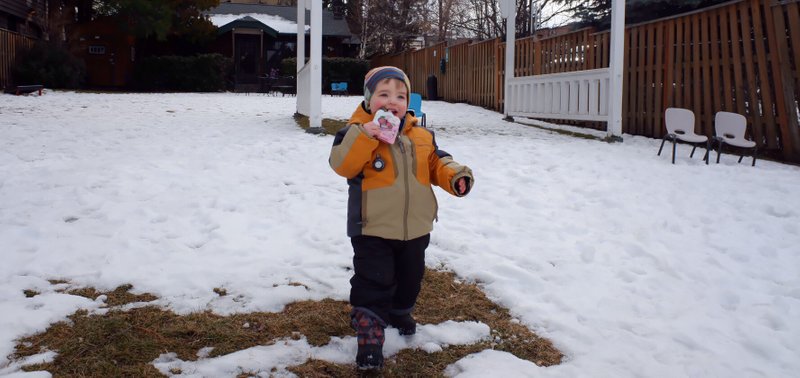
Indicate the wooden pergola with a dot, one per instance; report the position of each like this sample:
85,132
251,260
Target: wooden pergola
582,95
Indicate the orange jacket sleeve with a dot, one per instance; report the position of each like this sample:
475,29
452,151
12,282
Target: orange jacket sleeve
352,149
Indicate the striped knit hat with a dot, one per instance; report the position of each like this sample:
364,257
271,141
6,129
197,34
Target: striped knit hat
378,74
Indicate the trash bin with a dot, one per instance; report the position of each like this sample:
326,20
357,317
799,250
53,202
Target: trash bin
431,84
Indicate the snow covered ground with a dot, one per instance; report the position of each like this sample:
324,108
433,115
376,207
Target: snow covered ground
632,266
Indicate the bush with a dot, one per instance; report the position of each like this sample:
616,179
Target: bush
201,73
51,65
336,70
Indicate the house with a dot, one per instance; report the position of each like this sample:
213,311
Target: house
258,37
548,32
108,51
26,17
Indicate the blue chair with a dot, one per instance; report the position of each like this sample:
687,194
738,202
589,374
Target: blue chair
415,107
339,88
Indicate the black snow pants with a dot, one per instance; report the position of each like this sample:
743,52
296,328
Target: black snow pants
388,274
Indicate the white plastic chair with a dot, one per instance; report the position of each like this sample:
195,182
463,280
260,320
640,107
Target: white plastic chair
730,129
680,128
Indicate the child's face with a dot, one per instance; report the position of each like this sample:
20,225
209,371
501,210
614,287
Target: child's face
392,95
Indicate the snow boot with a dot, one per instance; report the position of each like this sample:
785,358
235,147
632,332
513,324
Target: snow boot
369,332
404,323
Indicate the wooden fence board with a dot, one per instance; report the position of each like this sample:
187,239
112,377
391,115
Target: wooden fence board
726,60
668,99
739,78
677,67
659,84
641,63
717,87
652,79
706,109
627,77
763,80
697,84
751,97
11,45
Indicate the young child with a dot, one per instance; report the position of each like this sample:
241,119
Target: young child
390,210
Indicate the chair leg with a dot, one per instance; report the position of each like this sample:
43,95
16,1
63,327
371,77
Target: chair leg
740,159
719,150
663,140
755,152
708,148
673,150
691,155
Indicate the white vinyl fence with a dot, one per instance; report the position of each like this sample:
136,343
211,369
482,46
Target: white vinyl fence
579,95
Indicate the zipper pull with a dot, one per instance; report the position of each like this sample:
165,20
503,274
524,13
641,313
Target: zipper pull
400,143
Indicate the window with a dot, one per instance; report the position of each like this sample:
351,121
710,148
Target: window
97,50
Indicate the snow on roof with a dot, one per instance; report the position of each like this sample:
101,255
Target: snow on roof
280,24
281,18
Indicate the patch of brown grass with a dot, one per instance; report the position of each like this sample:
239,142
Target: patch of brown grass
119,296
331,126
443,298
123,343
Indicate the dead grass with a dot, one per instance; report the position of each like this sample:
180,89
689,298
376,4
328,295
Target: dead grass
123,343
331,126
119,296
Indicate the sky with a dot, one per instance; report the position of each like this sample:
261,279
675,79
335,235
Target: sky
632,266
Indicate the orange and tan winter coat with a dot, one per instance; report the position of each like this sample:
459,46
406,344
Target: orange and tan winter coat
393,200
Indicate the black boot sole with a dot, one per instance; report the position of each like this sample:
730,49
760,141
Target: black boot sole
406,331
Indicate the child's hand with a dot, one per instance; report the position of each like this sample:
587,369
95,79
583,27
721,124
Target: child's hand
372,128
461,185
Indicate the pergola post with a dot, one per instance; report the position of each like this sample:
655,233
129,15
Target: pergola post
508,9
315,118
309,78
301,34
614,128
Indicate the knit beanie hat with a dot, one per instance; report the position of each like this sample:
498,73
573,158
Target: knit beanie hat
378,74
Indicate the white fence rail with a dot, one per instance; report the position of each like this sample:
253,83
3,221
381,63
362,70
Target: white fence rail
304,90
579,95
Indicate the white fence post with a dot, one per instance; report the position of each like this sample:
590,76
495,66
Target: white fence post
614,129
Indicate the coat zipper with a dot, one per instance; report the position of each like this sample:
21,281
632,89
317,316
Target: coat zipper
405,177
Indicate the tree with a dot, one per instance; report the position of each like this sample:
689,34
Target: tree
597,13
386,26
159,19
481,19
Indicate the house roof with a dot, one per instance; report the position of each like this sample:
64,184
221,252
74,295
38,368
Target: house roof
247,22
282,19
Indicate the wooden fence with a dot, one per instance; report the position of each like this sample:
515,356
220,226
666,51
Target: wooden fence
741,56
11,44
